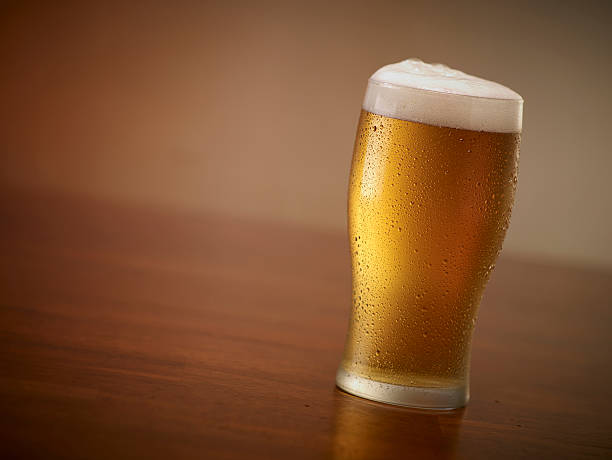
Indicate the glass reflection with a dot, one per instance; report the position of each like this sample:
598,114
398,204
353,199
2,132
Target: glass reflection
367,430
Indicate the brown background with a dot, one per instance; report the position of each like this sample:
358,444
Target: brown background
131,328
251,108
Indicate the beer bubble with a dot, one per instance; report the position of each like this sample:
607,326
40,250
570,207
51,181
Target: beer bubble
434,94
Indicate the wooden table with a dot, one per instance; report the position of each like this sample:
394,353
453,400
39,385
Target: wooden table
142,333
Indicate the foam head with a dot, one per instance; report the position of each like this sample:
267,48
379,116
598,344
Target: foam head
438,95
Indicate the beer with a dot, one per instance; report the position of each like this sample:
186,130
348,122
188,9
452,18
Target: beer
431,190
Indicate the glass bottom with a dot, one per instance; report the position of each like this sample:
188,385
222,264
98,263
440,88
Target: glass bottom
402,395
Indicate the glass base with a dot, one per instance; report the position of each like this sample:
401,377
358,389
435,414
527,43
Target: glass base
402,395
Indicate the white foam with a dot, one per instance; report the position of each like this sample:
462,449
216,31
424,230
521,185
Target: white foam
438,95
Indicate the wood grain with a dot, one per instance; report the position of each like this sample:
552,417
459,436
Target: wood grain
130,332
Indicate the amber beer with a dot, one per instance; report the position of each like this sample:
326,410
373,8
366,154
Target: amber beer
430,197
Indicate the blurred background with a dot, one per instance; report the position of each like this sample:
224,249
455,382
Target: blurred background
250,108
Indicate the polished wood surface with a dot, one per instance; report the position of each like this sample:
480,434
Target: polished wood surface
130,332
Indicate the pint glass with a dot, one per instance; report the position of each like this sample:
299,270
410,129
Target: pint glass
431,189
